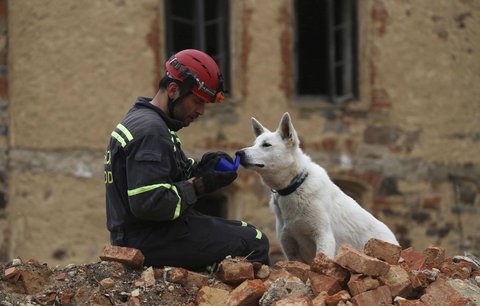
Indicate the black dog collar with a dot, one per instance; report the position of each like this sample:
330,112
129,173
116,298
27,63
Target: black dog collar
297,181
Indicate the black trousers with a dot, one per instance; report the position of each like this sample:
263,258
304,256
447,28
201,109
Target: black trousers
197,241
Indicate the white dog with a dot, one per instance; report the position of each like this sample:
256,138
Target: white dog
312,214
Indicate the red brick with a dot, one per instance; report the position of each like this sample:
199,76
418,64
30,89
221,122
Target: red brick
319,300
326,266
333,300
451,292
383,250
207,296
66,297
294,301
11,272
379,296
398,280
421,278
196,281
276,273
176,275
461,270
320,283
435,256
234,272
129,256
359,283
415,260
401,302
357,262
247,293
299,269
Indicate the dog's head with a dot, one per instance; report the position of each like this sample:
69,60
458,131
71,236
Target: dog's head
271,151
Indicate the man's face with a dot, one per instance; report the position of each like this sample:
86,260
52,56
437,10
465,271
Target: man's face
189,109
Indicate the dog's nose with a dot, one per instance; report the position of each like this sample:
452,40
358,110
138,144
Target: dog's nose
240,153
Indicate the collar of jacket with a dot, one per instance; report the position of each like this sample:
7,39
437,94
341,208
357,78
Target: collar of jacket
173,125
296,182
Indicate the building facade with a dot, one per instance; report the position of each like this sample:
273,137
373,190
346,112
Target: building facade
382,93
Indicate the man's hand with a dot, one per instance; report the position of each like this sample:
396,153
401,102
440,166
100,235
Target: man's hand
208,179
209,161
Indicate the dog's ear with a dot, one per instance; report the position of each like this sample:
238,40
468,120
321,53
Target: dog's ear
258,128
286,130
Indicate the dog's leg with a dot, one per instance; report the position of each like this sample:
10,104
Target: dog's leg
290,247
326,244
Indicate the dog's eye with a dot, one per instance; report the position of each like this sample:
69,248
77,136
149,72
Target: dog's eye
266,144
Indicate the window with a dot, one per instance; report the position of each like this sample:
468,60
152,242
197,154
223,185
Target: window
325,49
202,25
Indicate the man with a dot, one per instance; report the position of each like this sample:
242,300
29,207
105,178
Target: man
151,186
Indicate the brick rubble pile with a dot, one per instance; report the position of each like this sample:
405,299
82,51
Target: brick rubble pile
383,274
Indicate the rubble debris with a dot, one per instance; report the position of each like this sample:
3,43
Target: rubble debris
381,274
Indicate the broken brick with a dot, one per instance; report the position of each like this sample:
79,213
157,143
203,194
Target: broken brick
11,272
195,281
333,300
247,293
207,296
129,256
320,283
234,272
403,302
319,300
299,269
435,256
398,280
445,292
415,260
176,275
383,250
66,297
357,262
379,296
326,266
359,283
460,270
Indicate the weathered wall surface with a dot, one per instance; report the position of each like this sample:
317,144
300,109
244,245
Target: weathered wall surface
408,147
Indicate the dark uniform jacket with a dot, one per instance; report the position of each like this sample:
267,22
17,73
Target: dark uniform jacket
146,170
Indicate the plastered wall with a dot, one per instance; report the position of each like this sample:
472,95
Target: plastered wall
408,144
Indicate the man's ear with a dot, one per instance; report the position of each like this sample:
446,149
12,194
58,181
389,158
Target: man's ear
286,130
258,128
173,90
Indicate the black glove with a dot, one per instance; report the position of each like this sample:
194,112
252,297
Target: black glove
211,180
209,161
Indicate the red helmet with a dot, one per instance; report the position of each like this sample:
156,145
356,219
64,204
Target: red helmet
197,68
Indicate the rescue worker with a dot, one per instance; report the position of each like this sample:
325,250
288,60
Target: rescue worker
152,187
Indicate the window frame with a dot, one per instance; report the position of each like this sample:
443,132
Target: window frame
199,26
349,59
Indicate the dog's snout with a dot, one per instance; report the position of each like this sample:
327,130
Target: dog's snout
240,153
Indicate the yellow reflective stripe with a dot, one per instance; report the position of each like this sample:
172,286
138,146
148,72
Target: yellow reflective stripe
125,131
244,223
155,186
192,160
259,234
119,139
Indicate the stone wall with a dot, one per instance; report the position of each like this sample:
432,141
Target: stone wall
407,148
